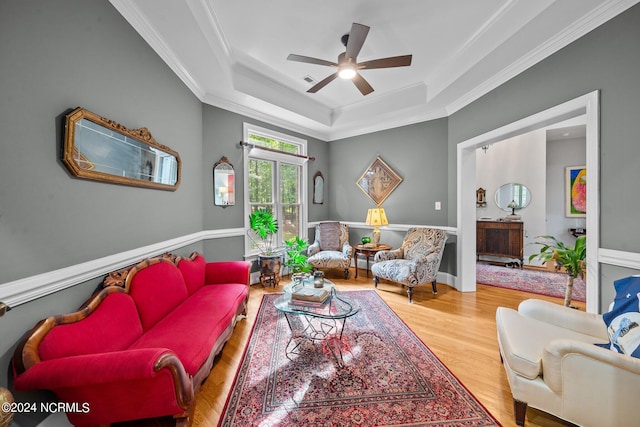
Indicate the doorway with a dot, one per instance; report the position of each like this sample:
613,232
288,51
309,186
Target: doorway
587,105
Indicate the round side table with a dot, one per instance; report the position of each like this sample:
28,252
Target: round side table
368,253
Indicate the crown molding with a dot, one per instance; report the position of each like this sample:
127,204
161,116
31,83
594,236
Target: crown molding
301,115
137,20
572,33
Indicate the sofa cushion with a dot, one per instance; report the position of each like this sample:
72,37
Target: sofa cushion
114,325
157,289
523,339
193,272
191,329
623,320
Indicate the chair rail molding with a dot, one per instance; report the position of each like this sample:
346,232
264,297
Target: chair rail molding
619,258
24,290
30,288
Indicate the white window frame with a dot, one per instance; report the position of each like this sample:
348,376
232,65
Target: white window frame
257,153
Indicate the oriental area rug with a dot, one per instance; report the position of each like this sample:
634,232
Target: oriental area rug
535,281
387,377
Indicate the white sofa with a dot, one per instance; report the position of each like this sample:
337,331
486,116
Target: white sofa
553,364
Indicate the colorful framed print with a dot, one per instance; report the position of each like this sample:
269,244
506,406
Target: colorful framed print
575,191
378,181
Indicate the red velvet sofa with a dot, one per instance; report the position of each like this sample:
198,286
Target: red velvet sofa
141,346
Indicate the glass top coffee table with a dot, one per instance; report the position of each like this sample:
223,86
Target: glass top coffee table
316,322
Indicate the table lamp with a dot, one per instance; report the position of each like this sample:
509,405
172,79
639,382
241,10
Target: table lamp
512,216
376,217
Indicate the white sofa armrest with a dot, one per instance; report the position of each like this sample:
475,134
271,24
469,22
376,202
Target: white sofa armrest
596,386
565,317
576,361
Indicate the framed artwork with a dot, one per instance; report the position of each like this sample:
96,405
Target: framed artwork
481,197
575,191
378,181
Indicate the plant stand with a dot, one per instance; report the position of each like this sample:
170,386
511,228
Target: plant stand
270,270
268,280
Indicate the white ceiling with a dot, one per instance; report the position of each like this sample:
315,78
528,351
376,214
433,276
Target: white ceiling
233,54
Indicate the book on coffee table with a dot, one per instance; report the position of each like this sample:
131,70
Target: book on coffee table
315,295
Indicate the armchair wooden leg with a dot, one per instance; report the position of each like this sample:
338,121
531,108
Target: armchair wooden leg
375,281
410,293
346,273
519,410
434,286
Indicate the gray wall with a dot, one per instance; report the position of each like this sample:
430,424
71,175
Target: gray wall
607,59
84,54
415,152
56,56
222,131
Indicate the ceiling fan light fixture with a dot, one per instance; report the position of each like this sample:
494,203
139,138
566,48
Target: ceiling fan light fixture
347,71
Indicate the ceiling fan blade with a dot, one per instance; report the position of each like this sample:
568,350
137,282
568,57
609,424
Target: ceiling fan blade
394,61
310,60
363,86
357,37
323,83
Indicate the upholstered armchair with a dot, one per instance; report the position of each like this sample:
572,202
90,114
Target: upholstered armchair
553,364
415,263
331,248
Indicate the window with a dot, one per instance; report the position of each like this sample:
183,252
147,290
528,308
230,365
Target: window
276,181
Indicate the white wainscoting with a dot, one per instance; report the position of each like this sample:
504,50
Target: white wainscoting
24,290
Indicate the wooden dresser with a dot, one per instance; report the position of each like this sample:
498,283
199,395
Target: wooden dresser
502,239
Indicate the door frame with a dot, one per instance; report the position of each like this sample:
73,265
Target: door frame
587,105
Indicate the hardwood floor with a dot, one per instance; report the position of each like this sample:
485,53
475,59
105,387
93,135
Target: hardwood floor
458,327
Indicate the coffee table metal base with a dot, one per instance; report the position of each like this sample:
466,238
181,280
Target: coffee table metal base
305,327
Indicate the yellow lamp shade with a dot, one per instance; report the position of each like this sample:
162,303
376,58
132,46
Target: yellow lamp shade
376,217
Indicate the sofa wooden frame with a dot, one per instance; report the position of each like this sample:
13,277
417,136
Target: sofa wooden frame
26,354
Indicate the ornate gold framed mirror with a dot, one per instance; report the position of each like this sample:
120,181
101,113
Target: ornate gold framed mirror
100,149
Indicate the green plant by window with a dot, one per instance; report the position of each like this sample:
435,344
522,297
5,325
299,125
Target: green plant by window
296,256
571,258
263,228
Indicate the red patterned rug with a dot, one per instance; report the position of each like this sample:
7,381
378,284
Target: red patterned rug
389,377
535,281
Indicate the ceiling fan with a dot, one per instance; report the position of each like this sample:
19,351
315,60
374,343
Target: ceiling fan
348,65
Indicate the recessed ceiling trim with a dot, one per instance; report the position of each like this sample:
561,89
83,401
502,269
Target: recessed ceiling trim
572,33
410,117
248,81
291,123
204,14
387,104
459,81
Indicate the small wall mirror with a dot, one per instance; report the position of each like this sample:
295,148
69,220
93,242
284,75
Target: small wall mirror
100,149
318,188
224,186
512,192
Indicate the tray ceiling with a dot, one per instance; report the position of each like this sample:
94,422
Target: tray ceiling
233,54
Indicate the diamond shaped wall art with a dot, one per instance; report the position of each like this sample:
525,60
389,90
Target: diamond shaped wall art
378,181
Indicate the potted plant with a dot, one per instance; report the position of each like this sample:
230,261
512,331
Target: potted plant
296,256
263,228
571,258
